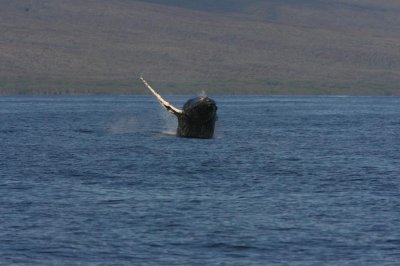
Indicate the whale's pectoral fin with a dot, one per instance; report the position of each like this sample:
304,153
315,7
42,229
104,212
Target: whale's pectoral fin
163,102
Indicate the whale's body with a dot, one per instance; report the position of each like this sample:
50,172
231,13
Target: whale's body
197,117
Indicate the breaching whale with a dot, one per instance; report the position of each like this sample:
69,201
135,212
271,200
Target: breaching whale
197,117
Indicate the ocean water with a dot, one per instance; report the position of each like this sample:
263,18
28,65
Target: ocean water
285,181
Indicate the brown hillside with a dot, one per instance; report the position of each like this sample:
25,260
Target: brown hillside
272,47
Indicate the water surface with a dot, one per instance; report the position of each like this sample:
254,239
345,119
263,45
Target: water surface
285,181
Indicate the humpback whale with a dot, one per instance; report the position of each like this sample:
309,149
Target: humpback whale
197,117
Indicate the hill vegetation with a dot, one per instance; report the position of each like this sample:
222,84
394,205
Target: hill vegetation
185,46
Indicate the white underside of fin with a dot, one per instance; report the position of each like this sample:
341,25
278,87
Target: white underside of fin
163,102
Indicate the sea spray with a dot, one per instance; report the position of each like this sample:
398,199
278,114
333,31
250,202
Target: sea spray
125,125
202,93
169,122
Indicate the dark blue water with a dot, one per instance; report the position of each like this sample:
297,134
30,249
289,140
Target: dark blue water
286,181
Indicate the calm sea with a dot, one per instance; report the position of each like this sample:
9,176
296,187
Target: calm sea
285,181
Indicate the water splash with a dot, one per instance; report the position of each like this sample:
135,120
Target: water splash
202,93
124,125
169,121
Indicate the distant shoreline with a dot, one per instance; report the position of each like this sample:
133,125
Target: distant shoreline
266,87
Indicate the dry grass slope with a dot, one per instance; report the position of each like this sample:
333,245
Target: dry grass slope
265,47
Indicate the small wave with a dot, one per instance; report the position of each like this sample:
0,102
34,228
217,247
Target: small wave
227,246
112,201
85,131
9,131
